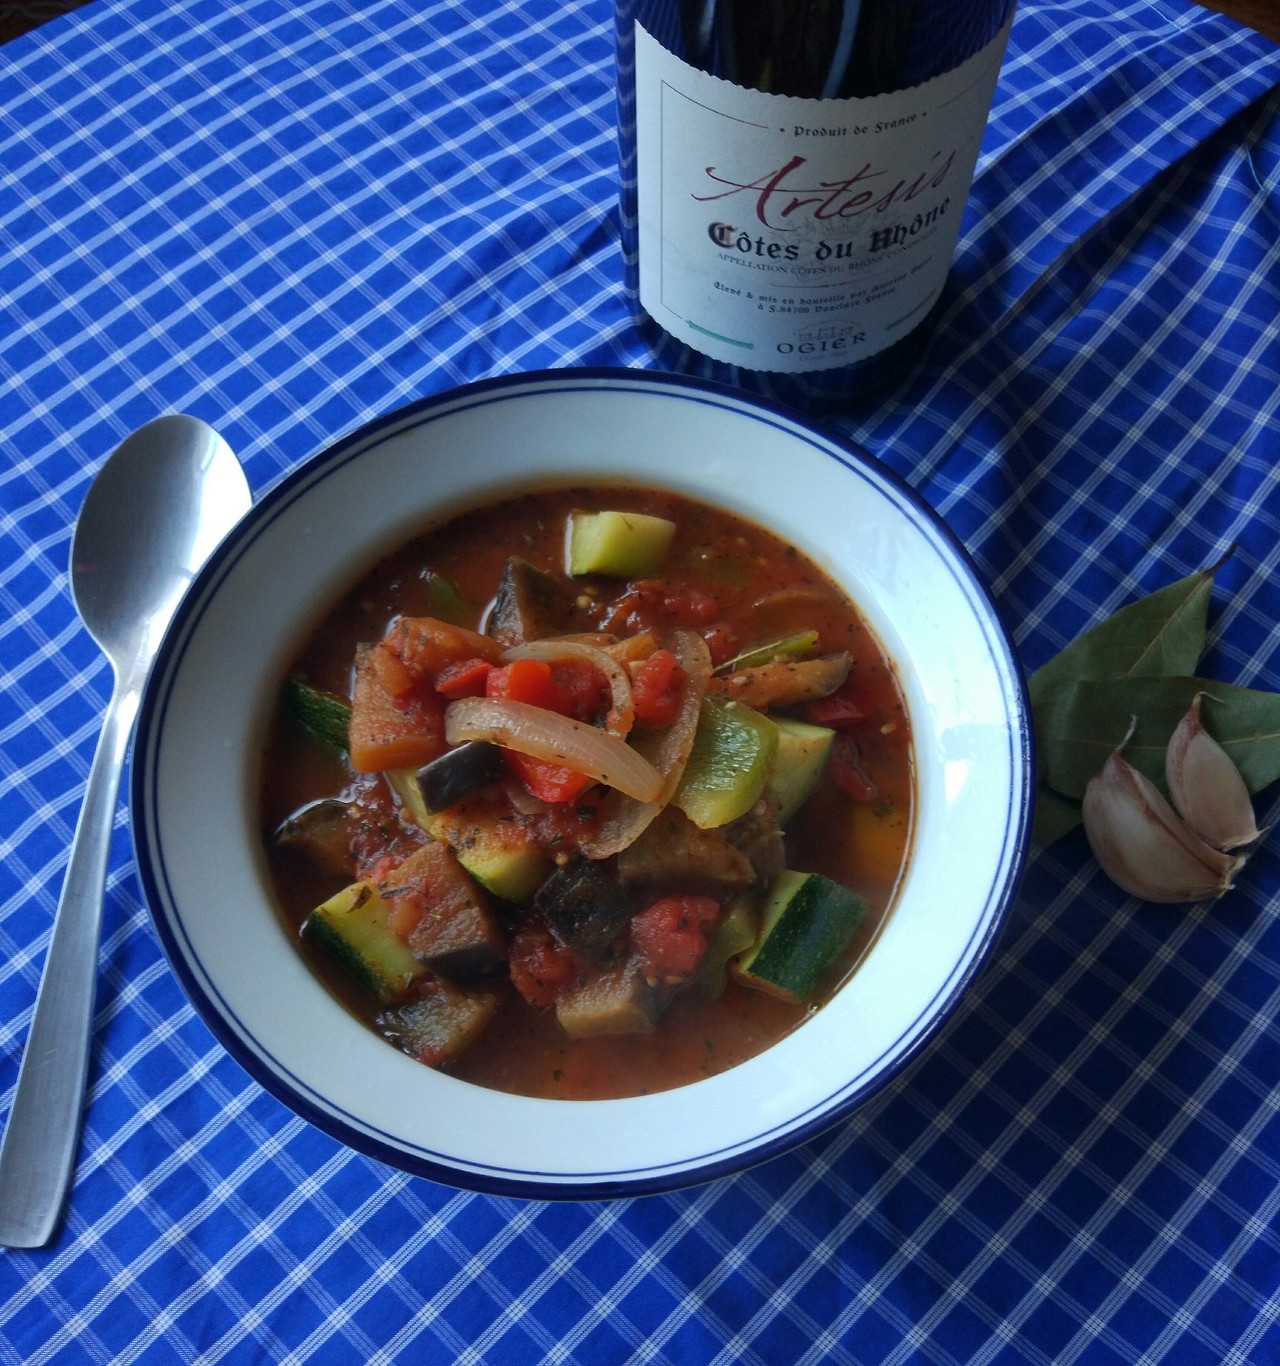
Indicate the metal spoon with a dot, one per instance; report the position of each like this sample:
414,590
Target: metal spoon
157,509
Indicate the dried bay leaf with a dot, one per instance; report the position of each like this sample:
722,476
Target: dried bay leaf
1084,721
1055,816
1161,633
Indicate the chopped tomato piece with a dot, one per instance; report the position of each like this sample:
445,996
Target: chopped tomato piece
524,680
840,708
722,640
651,603
565,692
466,678
582,689
547,781
569,687
845,770
657,688
386,733
540,968
670,936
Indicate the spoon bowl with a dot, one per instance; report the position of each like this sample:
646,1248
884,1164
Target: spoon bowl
157,509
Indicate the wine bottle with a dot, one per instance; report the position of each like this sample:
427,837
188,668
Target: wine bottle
793,178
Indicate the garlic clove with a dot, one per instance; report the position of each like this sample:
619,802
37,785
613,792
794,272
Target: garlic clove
1207,787
1143,845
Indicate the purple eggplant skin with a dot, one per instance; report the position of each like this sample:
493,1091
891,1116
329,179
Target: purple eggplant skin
584,908
459,772
532,604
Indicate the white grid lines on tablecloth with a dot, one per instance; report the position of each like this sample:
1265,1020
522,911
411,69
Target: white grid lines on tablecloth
1100,1106
502,199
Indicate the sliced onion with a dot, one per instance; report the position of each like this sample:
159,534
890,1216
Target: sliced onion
623,820
622,713
558,739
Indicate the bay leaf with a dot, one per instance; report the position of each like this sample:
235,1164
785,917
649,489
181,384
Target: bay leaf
1080,723
1161,633
1055,816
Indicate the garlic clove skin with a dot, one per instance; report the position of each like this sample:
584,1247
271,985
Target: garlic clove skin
1206,786
1143,845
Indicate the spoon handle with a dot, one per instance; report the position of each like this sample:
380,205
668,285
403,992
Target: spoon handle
43,1132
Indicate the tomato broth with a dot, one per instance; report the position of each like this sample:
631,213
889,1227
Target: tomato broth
734,585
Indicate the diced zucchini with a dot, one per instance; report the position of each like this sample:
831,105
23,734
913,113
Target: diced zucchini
440,1023
352,926
733,749
404,783
622,544
799,645
807,923
493,848
327,717
734,933
798,764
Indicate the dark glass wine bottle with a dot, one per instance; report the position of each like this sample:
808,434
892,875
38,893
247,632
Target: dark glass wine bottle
793,176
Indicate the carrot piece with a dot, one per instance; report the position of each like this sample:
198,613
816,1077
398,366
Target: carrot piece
394,678
424,645
388,733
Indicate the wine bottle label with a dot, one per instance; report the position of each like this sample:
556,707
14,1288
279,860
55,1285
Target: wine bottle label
789,234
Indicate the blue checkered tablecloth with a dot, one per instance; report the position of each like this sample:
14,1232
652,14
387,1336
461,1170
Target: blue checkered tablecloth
288,216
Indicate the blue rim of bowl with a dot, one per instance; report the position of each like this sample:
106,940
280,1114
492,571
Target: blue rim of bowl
275,1077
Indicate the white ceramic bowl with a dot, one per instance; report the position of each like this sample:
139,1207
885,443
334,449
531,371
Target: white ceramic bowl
203,719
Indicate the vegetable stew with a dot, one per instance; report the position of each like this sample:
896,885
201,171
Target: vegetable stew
588,793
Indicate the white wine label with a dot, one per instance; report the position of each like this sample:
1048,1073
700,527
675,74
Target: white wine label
793,234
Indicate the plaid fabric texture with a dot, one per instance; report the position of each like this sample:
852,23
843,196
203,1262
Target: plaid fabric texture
288,216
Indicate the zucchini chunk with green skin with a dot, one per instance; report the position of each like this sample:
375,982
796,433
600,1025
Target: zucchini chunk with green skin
352,927
493,848
733,750
489,844
623,545
798,764
807,923
327,717
438,1023
734,933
